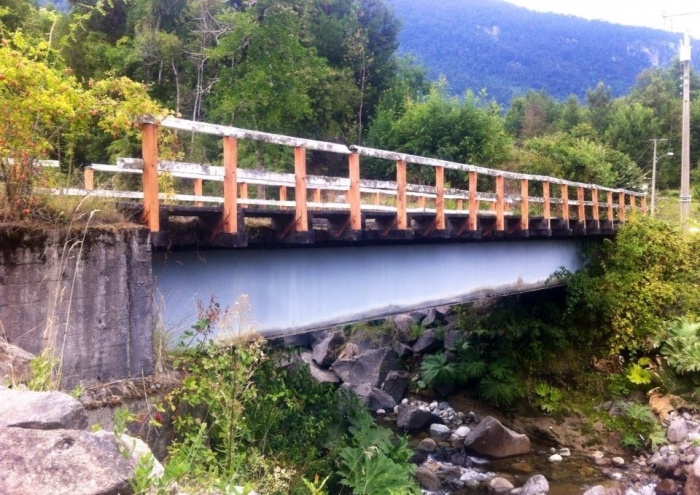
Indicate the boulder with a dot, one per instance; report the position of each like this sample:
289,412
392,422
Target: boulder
490,438
402,350
396,383
427,445
500,485
440,432
428,478
429,341
327,349
14,364
462,431
692,484
64,461
537,485
318,373
40,410
403,324
677,430
368,367
429,319
451,339
373,397
410,417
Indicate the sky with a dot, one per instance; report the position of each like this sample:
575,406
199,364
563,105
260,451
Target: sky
649,13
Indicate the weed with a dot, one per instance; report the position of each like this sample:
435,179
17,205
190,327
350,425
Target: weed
548,398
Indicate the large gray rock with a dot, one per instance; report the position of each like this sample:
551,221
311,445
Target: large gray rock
677,430
373,397
428,478
367,367
537,485
692,484
429,341
429,319
40,410
326,351
500,485
318,373
403,324
396,383
492,439
411,417
14,364
39,462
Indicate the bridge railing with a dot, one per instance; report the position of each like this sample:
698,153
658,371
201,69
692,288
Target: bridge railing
509,198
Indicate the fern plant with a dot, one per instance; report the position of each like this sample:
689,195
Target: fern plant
681,347
436,370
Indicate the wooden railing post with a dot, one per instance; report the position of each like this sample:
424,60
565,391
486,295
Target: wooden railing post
440,222
149,150
283,193
230,185
565,203
198,186
473,202
596,207
547,210
611,210
644,204
421,202
401,216
354,197
243,192
302,223
376,200
633,205
581,197
89,179
317,196
500,203
524,205
621,213
460,204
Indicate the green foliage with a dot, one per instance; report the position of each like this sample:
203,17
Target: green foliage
681,346
43,377
436,370
641,429
372,464
548,398
639,375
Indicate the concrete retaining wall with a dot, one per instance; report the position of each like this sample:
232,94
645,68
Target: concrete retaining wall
88,295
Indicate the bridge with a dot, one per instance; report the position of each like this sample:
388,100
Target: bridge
320,251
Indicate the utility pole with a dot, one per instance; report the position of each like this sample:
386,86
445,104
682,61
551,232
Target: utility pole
685,197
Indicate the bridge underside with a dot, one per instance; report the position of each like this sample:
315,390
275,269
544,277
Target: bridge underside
298,289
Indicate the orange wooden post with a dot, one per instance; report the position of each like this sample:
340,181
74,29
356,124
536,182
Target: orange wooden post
473,202
621,213
149,150
581,197
198,187
421,202
89,179
230,185
440,222
524,205
317,195
611,211
354,197
644,204
376,198
460,204
302,223
633,205
547,210
243,192
596,207
565,202
500,203
283,193
401,217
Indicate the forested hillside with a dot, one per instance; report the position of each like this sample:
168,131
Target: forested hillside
493,45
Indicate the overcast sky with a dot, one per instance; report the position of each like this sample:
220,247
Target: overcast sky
648,13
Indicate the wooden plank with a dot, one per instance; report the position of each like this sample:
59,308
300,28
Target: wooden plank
149,150
596,205
564,202
243,193
440,221
611,211
633,206
376,198
283,193
644,205
302,216
580,195
354,198
198,187
317,195
401,217
524,205
621,210
473,202
500,203
89,179
230,186
547,210
460,204
421,202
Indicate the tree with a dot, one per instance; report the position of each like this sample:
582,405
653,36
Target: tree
532,115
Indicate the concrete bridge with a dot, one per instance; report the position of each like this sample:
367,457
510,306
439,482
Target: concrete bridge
315,251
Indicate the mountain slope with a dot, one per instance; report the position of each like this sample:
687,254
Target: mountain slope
508,49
